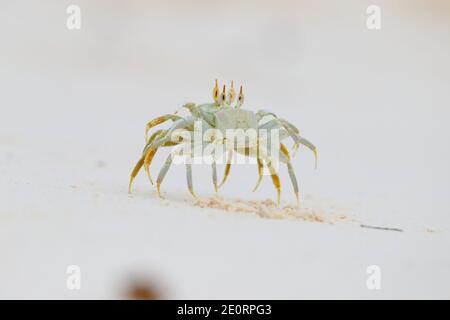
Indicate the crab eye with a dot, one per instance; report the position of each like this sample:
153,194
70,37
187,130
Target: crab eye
240,98
231,94
216,92
222,96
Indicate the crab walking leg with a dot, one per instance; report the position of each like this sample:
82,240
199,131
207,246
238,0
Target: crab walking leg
273,172
192,107
270,125
149,158
189,178
153,137
135,171
214,173
162,173
160,120
286,158
146,158
294,181
141,161
160,138
147,161
291,130
276,181
181,124
260,174
202,111
206,126
263,113
311,147
227,167
166,167
267,126
290,125
164,141
276,124
150,153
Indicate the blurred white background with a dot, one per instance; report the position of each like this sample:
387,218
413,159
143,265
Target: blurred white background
74,107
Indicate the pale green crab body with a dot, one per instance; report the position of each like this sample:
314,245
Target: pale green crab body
232,118
223,118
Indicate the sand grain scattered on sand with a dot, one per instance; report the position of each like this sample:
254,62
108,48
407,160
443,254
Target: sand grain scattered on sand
268,208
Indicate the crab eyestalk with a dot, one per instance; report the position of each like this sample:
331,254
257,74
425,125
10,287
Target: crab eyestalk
216,93
240,100
231,94
222,97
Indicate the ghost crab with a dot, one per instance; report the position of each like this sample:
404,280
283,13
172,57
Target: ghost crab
221,115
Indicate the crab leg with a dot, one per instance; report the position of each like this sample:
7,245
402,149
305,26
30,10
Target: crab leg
156,140
214,174
227,167
162,173
276,181
150,153
262,113
146,158
276,124
189,178
311,147
135,171
192,107
290,125
213,154
160,120
167,165
293,133
141,161
293,129
260,174
270,125
147,161
273,173
164,170
179,124
285,157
